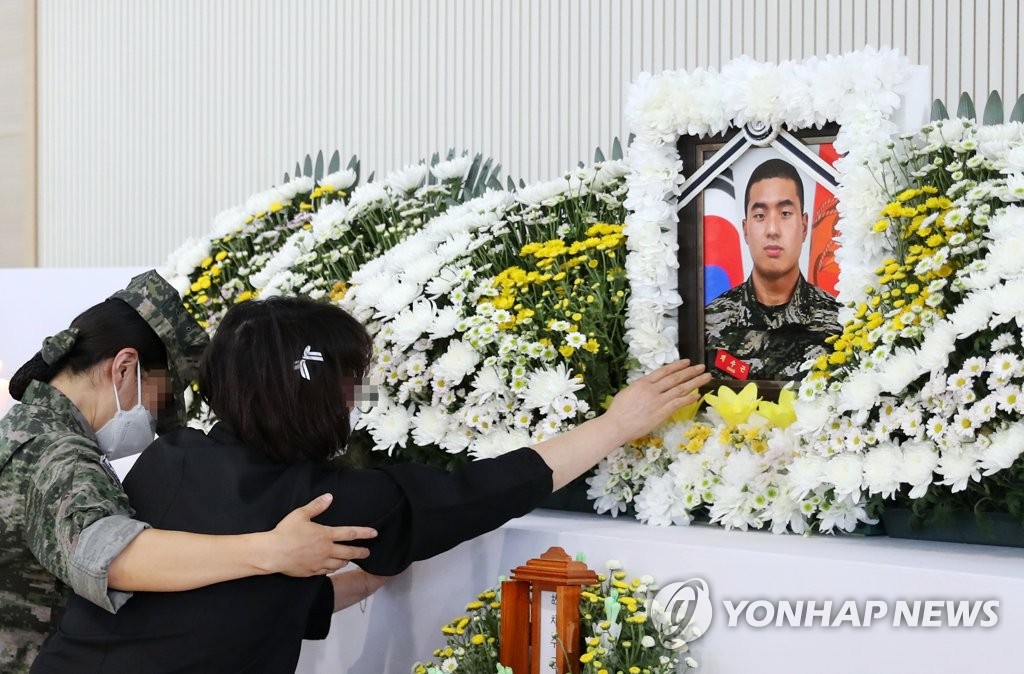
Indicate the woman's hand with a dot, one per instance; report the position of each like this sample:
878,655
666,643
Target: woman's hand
650,400
352,587
300,547
635,411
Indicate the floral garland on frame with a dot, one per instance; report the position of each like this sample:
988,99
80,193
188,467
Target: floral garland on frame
924,386
857,91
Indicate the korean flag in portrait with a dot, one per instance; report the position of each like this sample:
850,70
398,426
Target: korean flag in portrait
727,261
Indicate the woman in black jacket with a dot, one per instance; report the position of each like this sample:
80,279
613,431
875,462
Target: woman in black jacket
282,375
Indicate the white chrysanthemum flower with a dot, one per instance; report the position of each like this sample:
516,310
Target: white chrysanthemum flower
262,202
498,442
919,463
457,439
389,425
882,470
295,186
846,473
407,179
843,514
429,426
446,279
546,193
326,221
957,468
898,371
339,180
575,339
985,409
804,474
452,169
545,387
602,492
457,361
1009,398
410,324
397,297
444,322
488,385
368,195
1004,450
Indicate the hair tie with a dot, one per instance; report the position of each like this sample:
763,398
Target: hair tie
58,346
308,354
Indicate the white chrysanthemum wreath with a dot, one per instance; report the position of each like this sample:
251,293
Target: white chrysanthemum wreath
737,470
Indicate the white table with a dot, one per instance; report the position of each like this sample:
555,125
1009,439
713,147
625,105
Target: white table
402,621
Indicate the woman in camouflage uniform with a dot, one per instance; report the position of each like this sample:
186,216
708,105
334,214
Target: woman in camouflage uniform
64,518
282,375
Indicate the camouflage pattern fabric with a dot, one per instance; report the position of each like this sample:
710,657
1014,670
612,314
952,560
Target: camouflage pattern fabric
774,341
53,484
160,305
58,346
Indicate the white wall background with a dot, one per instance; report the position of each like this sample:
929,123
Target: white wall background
155,115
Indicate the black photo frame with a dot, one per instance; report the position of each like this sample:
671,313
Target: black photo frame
705,158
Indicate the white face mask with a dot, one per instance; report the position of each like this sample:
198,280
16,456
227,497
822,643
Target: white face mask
130,431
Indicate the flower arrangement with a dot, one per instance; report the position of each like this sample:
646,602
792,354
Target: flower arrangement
308,237
923,388
501,322
725,460
623,628
215,272
502,318
751,488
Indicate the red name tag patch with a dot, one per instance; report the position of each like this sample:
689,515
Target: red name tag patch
730,364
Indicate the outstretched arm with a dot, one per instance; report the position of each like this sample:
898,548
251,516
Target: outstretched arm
167,561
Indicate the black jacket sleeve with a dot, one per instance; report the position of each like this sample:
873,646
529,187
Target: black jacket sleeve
318,623
429,510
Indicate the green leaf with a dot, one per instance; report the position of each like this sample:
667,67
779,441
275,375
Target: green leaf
307,167
318,171
510,184
598,155
1017,114
993,109
493,182
939,111
478,188
965,109
474,169
335,163
616,149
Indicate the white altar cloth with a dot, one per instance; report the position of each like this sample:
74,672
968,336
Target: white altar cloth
402,621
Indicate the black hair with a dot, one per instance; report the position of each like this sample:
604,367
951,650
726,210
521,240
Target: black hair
774,168
103,330
249,375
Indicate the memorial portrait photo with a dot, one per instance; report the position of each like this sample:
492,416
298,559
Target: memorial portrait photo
765,258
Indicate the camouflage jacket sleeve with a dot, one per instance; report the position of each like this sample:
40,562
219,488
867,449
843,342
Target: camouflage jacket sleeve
77,517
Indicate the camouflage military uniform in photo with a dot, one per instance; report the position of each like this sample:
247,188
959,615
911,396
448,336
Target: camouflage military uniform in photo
774,341
63,514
